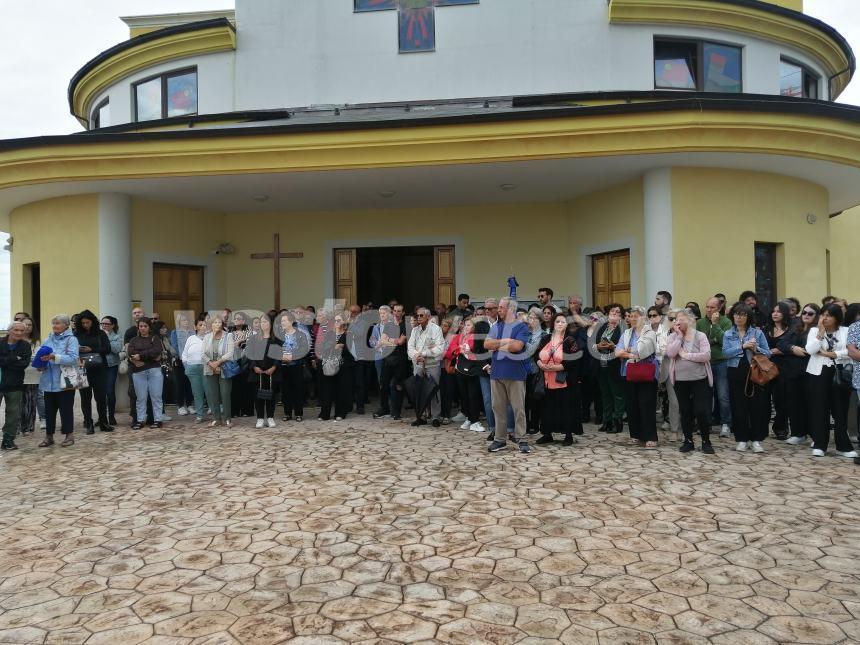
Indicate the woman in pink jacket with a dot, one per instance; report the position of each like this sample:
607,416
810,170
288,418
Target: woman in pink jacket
690,374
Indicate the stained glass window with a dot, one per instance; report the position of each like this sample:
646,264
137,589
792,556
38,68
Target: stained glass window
416,20
375,5
182,94
722,67
697,65
148,100
675,65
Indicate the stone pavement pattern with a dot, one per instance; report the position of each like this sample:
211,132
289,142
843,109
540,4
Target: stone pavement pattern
363,531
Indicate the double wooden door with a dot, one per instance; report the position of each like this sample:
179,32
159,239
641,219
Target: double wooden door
610,278
176,287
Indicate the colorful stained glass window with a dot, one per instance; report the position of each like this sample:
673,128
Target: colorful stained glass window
375,5
182,94
722,68
416,20
148,100
675,65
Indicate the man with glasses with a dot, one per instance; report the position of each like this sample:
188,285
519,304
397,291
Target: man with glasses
426,346
714,325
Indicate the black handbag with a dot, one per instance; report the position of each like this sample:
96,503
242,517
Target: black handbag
467,366
263,393
843,376
561,377
91,360
538,386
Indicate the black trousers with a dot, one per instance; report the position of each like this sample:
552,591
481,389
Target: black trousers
293,390
694,404
641,399
241,396
182,394
590,393
391,378
447,388
470,396
64,402
534,407
98,387
825,399
336,389
574,396
360,377
798,405
750,414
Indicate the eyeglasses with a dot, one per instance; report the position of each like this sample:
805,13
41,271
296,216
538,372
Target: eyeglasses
106,324
490,308
670,318
657,316
808,313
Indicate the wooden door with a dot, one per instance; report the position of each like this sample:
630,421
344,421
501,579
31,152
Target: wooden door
610,278
444,289
345,279
175,288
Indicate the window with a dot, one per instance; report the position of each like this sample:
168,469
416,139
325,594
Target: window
101,115
167,95
766,274
797,80
697,65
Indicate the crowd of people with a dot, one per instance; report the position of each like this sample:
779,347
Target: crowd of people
523,371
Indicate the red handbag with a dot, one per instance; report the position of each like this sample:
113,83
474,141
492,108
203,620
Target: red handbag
642,371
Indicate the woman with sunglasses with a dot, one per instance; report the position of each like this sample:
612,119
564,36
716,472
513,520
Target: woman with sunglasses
827,346
750,413
793,372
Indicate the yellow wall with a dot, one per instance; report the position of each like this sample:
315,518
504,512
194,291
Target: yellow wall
608,220
719,214
62,236
844,248
166,233
528,239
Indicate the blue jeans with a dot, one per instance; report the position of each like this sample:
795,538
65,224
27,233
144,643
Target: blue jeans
148,382
488,405
111,374
721,387
195,377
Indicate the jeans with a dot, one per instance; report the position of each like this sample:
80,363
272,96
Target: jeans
194,374
149,382
721,387
111,375
13,413
218,392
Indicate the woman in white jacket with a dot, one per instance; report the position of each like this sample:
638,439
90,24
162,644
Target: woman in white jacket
218,348
639,344
192,361
827,347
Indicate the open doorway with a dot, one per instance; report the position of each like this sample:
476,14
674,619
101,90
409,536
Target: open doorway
403,273
33,293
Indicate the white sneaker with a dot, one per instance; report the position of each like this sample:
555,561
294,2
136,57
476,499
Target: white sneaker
270,422
458,418
817,453
164,417
42,425
848,455
259,423
477,427
725,431
192,409
182,411
338,418
757,447
466,425
742,446
794,441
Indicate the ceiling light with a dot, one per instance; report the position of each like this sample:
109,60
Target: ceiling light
260,198
387,194
508,187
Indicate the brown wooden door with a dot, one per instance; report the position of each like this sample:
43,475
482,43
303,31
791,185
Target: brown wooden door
444,289
175,288
610,278
345,279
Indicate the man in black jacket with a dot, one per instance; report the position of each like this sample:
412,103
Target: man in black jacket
14,359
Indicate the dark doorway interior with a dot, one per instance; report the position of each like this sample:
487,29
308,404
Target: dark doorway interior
33,291
403,273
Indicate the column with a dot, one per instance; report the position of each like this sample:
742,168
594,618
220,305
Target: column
114,211
659,268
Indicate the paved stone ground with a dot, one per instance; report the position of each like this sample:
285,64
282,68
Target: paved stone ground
362,531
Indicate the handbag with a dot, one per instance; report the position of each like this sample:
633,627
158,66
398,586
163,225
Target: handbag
538,386
230,369
467,366
642,371
843,376
331,365
91,360
123,366
263,393
762,370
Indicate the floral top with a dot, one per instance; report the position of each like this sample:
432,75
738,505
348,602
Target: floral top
854,339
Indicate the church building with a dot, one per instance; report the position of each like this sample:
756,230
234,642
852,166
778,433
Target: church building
293,151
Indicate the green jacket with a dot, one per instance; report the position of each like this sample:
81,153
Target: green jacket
715,335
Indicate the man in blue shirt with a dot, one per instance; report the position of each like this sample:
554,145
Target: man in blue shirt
508,372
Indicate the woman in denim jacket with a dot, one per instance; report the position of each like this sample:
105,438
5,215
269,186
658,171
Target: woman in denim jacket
64,352
750,414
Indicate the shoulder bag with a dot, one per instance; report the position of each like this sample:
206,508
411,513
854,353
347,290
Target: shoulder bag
229,369
73,377
265,394
843,376
762,370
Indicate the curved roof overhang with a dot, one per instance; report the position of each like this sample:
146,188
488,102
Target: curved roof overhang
803,131
760,19
143,52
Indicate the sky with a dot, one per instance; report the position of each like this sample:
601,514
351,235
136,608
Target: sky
45,42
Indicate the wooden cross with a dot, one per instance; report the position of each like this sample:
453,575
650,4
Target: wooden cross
276,255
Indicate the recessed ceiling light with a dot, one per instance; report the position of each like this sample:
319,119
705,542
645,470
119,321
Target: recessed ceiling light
260,198
387,194
508,187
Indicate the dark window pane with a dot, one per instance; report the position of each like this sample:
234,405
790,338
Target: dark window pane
417,26
375,5
790,79
451,3
675,65
182,94
148,97
765,275
722,68
102,119
810,84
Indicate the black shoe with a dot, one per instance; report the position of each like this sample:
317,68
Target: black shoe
112,421
544,439
707,448
137,426
619,426
687,446
90,431
585,417
857,460
298,419
156,425
568,440
48,441
360,410
104,427
88,424
8,444
532,431
287,417
598,419
496,446
381,414
436,423
491,436
418,422
396,417
606,427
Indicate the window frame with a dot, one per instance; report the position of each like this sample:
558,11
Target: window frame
164,77
700,61
806,75
95,115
